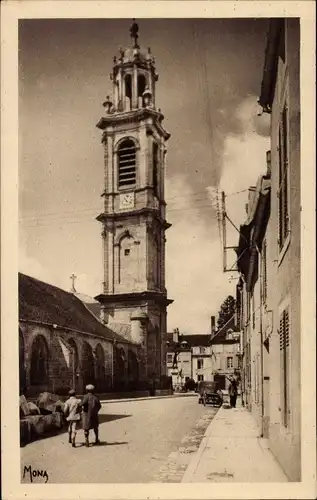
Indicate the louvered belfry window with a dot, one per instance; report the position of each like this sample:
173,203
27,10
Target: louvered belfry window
284,366
283,204
127,164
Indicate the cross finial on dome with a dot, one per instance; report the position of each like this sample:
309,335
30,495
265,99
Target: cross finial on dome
134,30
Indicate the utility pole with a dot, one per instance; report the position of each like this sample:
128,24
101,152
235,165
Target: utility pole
224,239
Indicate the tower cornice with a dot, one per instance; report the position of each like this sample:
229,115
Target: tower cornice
103,217
158,297
133,116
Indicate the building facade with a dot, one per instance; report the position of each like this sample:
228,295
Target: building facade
202,357
63,346
269,260
252,296
134,297
225,354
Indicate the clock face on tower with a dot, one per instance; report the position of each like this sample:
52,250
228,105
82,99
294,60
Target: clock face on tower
126,201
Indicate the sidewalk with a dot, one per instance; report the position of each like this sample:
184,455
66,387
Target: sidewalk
232,451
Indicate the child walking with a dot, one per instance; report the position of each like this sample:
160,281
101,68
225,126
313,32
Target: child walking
72,411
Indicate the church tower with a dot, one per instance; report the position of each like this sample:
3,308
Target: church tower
133,219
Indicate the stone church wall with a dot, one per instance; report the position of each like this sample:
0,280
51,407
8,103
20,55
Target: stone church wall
66,364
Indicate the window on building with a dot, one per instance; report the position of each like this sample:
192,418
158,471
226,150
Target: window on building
283,202
284,366
264,272
127,164
200,378
39,361
169,357
200,364
201,350
253,311
127,251
229,362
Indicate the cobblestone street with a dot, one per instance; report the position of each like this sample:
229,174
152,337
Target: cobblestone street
141,441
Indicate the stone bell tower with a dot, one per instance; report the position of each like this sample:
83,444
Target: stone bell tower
133,219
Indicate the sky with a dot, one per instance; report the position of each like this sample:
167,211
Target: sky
210,73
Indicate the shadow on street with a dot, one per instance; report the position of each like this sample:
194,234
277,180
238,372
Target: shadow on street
56,432
110,417
102,443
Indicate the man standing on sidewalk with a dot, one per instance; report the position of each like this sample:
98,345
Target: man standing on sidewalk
72,412
91,406
233,392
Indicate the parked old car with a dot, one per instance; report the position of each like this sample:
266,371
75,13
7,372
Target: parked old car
209,393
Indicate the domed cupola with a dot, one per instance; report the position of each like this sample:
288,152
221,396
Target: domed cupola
133,78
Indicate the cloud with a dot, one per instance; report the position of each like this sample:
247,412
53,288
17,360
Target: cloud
244,160
194,266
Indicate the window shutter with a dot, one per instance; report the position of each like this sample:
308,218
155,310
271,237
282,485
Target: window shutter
287,368
284,366
283,204
281,332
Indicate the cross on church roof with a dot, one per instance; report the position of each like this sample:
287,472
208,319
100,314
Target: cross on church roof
73,277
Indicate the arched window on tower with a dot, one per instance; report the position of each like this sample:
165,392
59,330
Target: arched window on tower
141,89
155,169
127,164
128,91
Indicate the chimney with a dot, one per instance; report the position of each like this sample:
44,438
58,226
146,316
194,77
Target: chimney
212,325
175,335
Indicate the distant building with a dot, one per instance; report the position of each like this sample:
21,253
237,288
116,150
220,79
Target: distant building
62,345
191,356
201,357
225,354
268,292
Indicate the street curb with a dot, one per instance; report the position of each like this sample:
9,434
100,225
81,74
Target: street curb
191,469
170,396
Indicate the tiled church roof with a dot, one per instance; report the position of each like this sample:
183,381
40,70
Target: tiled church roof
44,303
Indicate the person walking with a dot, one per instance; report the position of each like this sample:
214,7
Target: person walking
91,406
233,392
72,411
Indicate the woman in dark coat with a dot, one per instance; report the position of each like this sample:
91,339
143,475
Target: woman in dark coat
91,406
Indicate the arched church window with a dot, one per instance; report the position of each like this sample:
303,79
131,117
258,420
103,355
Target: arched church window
127,164
39,361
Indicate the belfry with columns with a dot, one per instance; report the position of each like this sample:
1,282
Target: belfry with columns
134,299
